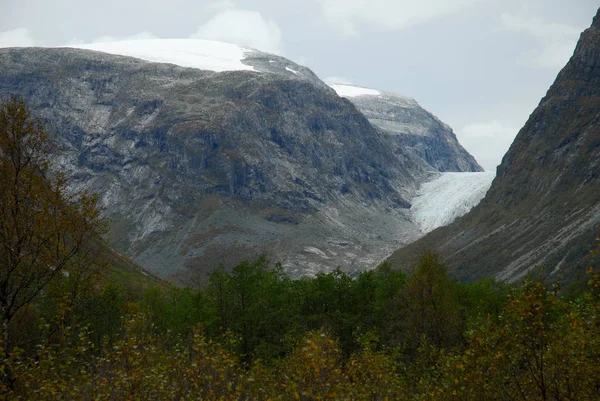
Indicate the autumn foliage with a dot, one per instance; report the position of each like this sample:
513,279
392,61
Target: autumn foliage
170,345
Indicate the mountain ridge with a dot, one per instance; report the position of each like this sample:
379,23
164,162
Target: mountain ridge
409,125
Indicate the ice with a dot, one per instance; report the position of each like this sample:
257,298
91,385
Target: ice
344,90
447,197
316,251
194,53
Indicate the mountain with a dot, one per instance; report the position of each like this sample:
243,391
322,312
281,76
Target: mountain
410,128
543,207
200,166
205,152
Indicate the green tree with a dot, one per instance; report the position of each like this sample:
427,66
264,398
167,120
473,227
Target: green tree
44,229
256,302
541,347
376,294
429,306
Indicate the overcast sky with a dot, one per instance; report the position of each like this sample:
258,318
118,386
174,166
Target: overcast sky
481,66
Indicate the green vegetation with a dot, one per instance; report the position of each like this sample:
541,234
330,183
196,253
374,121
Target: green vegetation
44,230
254,333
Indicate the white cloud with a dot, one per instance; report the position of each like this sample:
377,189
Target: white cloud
555,41
244,28
346,16
487,141
20,37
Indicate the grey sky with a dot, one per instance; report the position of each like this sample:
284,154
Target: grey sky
480,65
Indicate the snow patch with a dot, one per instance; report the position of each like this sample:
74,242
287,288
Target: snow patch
316,251
353,91
290,70
440,201
193,53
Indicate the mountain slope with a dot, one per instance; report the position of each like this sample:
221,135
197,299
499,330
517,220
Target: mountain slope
124,271
411,128
195,167
544,204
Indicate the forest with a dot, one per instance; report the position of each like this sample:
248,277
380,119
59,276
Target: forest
74,328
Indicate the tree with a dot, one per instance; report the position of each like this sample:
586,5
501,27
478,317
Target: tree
430,306
45,230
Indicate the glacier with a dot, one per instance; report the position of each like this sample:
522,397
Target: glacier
447,197
193,53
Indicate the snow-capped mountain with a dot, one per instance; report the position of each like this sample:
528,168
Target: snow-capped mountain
205,152
206,55
197,167
409,126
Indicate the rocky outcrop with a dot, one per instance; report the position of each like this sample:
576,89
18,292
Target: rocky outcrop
543,207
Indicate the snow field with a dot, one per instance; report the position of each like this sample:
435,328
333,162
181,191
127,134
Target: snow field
194,53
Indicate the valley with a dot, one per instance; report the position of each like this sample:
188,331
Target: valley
193,219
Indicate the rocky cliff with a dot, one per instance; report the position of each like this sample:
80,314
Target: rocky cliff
543,207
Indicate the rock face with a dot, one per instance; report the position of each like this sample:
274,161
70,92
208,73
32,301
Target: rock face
411,128
543,207
196,167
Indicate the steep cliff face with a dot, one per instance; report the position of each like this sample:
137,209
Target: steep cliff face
411,128
543,207
196,167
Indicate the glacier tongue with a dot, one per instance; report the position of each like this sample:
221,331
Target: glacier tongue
447,197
